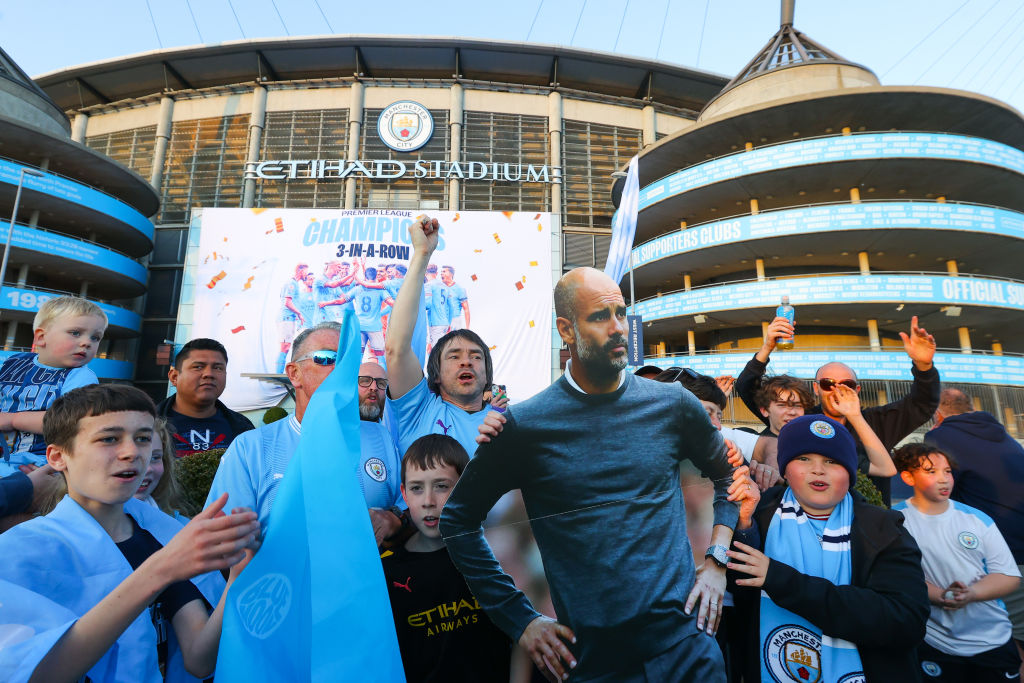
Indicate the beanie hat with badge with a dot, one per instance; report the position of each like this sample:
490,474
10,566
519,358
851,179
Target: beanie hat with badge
821,435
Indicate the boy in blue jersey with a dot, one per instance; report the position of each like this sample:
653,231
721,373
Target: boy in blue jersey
967,567
291,320
458,301
136,586
367,301
443,633
68,331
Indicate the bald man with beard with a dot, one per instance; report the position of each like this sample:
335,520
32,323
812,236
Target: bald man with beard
596,456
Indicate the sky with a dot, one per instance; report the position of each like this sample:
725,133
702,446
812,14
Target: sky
973,45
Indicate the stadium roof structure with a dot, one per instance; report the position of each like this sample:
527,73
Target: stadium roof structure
399,58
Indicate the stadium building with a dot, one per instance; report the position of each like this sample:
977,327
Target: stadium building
865,204
802,176
81,225
530,127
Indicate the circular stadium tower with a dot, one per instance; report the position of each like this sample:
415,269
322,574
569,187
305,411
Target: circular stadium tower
81,225
864,204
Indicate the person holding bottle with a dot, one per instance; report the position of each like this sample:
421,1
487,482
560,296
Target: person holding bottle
891,422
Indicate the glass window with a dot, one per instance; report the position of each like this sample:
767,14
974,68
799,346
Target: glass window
505,139
304,135
591,152
387,193
204,166
163,292
132,148
169,246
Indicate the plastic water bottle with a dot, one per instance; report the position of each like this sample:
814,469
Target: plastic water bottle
789,313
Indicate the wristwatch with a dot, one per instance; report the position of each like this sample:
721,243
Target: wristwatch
403,517
717,554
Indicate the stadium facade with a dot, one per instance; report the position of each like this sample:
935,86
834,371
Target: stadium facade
864,204
802,176
81,226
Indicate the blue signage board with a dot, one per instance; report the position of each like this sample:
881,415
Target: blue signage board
970,291
834,218
834,149
62,246
953,367
635,340
77,193
17,299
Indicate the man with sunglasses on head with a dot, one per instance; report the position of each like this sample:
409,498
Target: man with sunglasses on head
891,422
253,467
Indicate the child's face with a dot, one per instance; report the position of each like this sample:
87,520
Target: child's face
69,341
933,478
107,459
818,482
426,492
714,413
785,407
153,474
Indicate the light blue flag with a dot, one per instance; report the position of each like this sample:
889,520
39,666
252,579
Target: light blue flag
313,604
624,225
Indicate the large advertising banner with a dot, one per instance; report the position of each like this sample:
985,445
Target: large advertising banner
263,275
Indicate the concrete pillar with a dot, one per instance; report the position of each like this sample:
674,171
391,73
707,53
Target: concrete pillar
257,121
691,343
754,209
876,345
1010,421
687,284
555,149
965,340
864,262
855,195
455,107
12,326
355,126
650,129
951,267
997,349
759,267
79,127
164,125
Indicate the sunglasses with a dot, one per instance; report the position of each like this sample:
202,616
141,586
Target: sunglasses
828,384
689,372
321,357
365,381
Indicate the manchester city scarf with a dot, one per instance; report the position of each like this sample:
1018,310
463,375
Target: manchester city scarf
792,648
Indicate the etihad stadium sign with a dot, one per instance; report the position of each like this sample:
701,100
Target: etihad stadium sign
403,126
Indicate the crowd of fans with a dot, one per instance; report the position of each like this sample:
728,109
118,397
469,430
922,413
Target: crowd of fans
806,574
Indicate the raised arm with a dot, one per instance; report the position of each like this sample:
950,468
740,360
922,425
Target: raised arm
847,402
404,369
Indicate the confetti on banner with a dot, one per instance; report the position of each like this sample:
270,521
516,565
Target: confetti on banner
519,285
214,256
536,217
524,279
279,225
478,251
216,278
508,214
533,263
206,260
496,238
248,283
540,227
531,323
225,239
457,216
493,347
473,277
238,329
257,212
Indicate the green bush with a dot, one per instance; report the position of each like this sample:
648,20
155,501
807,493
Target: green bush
274,414
867,488
195,474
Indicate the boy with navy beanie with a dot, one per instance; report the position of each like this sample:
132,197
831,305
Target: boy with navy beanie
832,584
